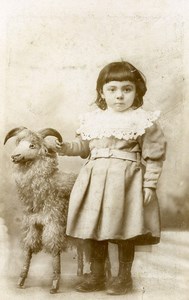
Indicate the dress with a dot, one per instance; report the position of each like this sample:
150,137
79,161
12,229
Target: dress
106,202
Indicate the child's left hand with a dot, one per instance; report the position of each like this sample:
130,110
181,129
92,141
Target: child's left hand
149,195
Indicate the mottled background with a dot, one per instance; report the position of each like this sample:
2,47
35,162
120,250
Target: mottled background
50,56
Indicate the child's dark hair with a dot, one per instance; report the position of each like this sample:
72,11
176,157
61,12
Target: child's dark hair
121,71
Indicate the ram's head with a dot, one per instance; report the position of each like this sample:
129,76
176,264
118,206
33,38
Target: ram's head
29,144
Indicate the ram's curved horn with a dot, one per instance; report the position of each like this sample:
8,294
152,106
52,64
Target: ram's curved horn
50,132
13,132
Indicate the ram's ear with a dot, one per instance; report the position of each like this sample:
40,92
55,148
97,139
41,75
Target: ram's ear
48,152
43,150
13,132
50,132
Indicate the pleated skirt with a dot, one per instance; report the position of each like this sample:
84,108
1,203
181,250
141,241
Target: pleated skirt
106,203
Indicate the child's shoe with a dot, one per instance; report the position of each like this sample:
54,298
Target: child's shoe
92,283
123,283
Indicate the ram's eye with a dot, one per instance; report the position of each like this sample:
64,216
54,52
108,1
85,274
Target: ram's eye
32,146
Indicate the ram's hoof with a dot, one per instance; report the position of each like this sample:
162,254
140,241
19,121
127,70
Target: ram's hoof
21,282
55,286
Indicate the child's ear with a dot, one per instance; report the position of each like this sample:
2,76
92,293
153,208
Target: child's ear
102,95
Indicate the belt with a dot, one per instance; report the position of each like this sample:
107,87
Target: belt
120,154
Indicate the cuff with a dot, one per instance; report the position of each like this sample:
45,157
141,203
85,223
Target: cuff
152,174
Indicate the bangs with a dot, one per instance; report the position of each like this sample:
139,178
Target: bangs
119,73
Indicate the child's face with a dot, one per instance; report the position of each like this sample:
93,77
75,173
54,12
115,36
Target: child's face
119,95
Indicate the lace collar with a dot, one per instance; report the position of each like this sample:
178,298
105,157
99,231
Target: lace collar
123,125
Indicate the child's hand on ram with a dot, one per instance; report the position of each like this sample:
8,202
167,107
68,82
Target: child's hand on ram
54,145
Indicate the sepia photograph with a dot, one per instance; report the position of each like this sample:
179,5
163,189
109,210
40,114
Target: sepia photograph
94,180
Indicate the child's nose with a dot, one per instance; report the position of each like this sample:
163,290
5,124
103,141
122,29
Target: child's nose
119,94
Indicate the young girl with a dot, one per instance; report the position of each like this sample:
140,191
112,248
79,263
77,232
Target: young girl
114,197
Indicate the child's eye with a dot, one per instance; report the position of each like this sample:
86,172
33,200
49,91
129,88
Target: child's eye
111,89
127,89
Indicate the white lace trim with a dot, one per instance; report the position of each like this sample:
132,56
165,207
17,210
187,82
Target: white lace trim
122,125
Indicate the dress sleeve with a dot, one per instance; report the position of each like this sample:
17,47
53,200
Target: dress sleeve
78,147
153,147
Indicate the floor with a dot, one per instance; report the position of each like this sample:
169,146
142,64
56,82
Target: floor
160,272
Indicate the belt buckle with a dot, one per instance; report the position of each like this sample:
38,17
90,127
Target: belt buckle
105,152
102,152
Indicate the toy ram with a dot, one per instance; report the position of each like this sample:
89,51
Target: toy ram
44,193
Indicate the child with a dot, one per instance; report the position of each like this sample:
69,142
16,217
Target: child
114,197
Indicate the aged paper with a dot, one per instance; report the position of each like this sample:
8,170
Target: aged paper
50,55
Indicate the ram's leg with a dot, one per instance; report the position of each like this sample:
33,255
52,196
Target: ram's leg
79,260
108,268
56,273
25,268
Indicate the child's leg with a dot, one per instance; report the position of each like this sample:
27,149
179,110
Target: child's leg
96,280
123,283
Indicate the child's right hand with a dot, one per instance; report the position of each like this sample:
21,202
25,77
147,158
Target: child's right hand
58,144
54,145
